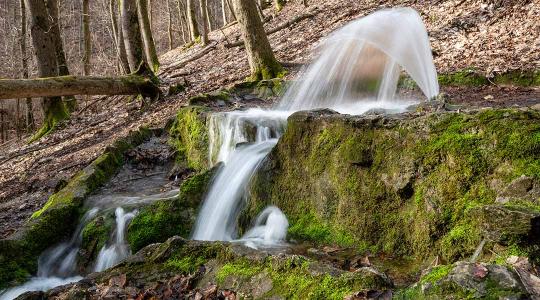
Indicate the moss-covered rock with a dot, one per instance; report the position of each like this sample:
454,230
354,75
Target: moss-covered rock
59,216
166,218
404,184
94,236
470,77
189,136
251,274
467,281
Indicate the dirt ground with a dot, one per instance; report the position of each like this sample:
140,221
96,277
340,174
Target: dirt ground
491,36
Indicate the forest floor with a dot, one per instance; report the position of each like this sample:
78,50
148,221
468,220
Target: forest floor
489,36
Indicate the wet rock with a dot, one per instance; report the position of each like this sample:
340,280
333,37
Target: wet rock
370,295
32,296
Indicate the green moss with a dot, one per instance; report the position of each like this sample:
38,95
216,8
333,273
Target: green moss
189,136
95,234
55,113
470,77
310,228
242,268
467,77
436,273
269,71
185,265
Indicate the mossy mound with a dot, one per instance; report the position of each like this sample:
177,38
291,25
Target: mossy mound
406,184
59,216
166,218
470,77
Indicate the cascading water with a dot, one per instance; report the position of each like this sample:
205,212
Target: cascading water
244,139
358,69
119,249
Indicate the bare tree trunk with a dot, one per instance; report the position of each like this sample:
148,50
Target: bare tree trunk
230,8
224,12
183,20
18,116
132,34
132,84
148,39
87,39
2,112
30,124
63,70
192,20
44,47
119,37
204,13
208,19
169,25
261,58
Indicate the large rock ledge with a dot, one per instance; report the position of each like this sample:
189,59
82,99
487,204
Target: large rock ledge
415,184
181,269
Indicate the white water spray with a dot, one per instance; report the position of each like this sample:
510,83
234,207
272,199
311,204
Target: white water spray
361,63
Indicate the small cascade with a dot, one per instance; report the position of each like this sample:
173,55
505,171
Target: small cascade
243,138
111,255
56,266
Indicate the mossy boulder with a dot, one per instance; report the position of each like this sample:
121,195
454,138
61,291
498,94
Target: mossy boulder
166,218
95,235
189,137
404,184
60,215
465,280
471,77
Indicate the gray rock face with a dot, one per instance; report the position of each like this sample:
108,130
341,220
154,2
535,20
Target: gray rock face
523,188
502,223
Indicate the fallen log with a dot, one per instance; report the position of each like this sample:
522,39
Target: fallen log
78,85
197,55
277,28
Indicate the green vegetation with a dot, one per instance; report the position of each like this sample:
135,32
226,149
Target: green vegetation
470,77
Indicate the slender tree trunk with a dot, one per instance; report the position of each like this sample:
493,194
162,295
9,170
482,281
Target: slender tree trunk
192,20
44,47
231,10
150,13
18,121
208,18
2,122
119,37
87,39
63,70
261,58
169,25
224,12
182,17
30,125
148,39
132,34
204,13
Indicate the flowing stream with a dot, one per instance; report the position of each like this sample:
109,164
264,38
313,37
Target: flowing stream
358,69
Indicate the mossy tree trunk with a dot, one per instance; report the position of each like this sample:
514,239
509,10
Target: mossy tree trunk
261,58
63,69
30,124
279,4
204,13
132,34
148,39
192,20
44,46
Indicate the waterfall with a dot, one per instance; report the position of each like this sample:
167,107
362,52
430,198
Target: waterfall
119,249
243,138
358,69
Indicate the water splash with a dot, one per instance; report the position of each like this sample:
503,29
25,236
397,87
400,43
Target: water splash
362,61
111,255
270,229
